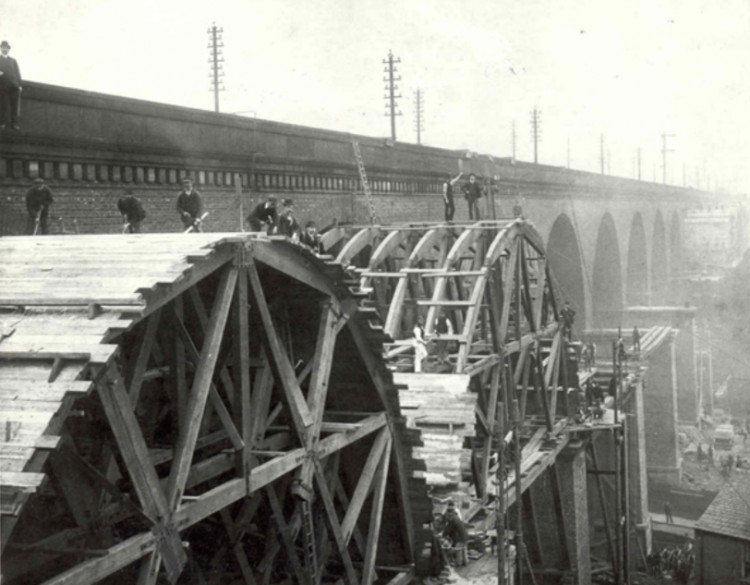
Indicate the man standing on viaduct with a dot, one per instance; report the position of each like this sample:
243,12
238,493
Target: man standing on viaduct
448,185
472,191
10,88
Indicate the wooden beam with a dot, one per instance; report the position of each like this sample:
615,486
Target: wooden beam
376,516
141,362
364,484
333,523
130,441
286,535
243,415
282,368
201,387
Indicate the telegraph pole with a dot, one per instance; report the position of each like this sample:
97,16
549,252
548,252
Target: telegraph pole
639,163
601,152
664,152
536,132
215,60
391,87
568,151
513,140
419,120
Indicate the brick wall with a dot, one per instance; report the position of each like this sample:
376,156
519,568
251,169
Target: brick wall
94,207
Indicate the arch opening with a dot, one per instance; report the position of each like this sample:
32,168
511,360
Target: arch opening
564,257
606,291
675,247
637,268
659,263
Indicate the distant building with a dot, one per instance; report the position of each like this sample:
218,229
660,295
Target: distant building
722,536
713,238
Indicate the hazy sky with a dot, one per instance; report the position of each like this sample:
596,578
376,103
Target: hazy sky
627,69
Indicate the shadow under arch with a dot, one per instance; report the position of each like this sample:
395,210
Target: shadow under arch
606,290
659,263
675,247
636,283
564,257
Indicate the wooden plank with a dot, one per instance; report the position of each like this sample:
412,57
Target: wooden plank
21,481
46,442
201,387
243,415
38,348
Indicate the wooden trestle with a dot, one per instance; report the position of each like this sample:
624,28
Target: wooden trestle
197,408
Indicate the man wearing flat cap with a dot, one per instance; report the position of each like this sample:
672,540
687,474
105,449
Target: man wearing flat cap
38,201
190,206
10,88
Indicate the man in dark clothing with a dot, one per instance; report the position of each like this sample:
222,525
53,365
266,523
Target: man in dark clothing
263,216
568,315
287,225
668,512
190,206
132,213
10,88
38,200
443,326
311,238
448,185
472,192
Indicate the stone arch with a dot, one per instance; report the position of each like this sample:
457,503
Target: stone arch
659,263
636,280
564,257
606,290
675,246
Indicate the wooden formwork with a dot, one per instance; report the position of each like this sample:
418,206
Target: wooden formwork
197,408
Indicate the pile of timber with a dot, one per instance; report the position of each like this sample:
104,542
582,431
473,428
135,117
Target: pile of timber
443,409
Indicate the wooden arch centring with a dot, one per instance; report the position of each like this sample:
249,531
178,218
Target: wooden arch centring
493,282
231,440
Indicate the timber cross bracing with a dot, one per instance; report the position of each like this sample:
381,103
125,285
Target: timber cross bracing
492,281
214,401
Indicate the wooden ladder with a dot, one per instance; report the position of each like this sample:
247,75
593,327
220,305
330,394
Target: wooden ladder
365,182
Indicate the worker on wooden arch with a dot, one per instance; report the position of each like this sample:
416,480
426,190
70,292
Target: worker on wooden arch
264,216
420,344
443,326
132,213
568,316
190,206
448,186
473,192
287,224
311,238
38,201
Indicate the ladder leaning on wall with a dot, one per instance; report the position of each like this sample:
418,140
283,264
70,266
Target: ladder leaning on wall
365,182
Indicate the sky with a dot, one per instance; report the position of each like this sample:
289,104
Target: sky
627,70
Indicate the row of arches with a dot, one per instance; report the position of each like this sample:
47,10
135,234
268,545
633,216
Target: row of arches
615,279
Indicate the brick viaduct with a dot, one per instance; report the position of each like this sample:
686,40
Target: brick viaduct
614,243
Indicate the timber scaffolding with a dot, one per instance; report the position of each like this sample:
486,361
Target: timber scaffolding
164,393
508,360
